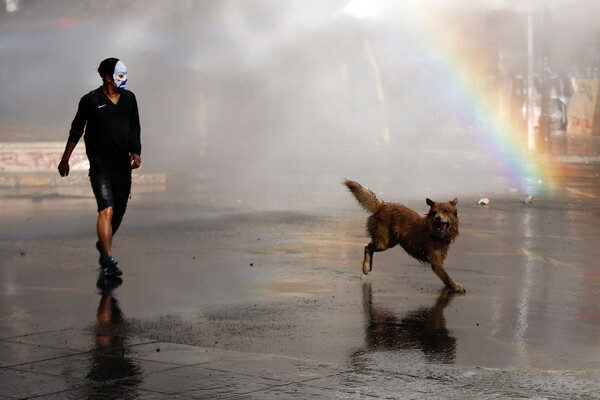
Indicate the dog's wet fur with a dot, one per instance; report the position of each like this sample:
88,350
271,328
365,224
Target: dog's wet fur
426,238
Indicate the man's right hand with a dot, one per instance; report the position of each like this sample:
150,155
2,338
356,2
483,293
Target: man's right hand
63,168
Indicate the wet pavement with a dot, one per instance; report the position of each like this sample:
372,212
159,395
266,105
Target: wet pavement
223,299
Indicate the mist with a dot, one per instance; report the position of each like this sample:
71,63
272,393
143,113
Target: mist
278,100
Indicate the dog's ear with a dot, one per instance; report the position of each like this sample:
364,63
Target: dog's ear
454,202
430,202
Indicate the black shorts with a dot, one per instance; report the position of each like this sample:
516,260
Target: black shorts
111,190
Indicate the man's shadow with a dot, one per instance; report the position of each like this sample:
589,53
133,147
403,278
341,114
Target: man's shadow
110,360
423,329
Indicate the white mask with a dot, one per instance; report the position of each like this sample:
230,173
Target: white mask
120,75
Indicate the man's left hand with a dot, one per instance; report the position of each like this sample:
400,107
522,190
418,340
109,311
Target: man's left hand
135,161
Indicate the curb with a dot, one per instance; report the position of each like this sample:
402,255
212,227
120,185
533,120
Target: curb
74,179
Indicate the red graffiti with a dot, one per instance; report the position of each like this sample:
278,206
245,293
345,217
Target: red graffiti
43,160
11,158
38,160
585,123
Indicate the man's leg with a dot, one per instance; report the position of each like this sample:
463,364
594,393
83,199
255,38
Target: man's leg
103,191
108,265
116,222
108,224
105,231
120,189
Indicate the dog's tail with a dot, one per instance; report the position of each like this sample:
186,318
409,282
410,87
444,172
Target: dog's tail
365,197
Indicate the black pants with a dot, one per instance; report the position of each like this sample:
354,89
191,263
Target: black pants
111,190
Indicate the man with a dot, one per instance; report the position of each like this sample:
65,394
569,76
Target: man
110,117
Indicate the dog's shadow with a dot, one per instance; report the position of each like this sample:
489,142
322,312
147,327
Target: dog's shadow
423,329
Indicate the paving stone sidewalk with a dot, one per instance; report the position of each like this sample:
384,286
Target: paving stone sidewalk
94,363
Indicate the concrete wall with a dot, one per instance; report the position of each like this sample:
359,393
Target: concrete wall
36,164
39,157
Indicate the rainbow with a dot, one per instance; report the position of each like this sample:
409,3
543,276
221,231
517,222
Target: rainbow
448,55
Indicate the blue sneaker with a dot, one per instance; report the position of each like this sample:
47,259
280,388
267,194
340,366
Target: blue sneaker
109,267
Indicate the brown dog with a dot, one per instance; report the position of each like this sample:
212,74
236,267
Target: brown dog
425,238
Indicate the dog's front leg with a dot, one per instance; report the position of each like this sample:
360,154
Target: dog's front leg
368,260
440,271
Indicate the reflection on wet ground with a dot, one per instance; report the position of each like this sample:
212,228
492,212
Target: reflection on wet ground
423,329
110,358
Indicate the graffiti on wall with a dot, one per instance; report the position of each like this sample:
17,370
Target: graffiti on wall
584,112
38,157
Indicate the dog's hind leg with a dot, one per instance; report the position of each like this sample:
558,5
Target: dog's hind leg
368,260
379,242
440,271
